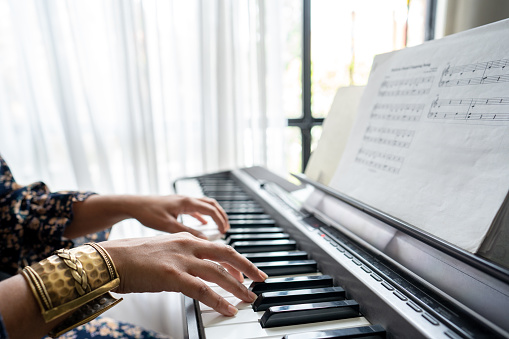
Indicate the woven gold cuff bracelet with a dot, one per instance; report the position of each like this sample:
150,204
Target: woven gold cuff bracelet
76,280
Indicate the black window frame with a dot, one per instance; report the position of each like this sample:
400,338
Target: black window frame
306,122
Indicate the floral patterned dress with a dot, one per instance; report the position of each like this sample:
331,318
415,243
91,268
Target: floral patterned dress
32,223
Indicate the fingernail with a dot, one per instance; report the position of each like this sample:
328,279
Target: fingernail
263,275
232,310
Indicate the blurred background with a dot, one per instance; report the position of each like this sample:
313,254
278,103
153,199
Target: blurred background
127,96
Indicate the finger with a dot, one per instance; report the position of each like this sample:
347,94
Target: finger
198,217
216,273
195,232
220,208
177,227
227,254
220,214
198,290
234,272
206,206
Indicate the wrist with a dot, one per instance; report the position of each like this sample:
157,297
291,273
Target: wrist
125,206
97,213
75,282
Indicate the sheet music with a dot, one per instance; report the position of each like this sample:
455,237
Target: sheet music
431,143
336,129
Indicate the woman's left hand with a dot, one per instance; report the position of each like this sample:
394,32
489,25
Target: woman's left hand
161,213
98,212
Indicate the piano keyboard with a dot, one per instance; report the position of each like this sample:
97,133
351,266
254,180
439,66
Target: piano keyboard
296,301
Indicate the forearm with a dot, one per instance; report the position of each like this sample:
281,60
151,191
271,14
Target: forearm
21,314
99,212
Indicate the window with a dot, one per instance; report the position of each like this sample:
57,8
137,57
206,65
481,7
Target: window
338,40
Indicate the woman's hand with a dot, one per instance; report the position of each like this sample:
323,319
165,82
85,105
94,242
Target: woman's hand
178,263
161,212
99,212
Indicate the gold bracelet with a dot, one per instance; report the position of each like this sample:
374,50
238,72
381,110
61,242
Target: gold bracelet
76,280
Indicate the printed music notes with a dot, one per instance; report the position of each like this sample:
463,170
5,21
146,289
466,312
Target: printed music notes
480,109
382,144
480,73
397,137
387,162
413,86
389,158
397,111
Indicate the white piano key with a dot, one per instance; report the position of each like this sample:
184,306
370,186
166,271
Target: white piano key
232,300
223,293
296,275
213,285
209,229
243,316
252,330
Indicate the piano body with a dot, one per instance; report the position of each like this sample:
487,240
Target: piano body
341,269
430,131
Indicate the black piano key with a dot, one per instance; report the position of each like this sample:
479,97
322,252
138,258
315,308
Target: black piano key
240,207
230,197
210,185
221,189
216,179
243,210
364,332
222,192
249,216
261,236
239,204
288,267
311,295
226,192
264,246
276,256
241,219
291,283
252,223
309,313
253,230
226,200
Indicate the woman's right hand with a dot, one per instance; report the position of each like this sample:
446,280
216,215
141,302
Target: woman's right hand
176,262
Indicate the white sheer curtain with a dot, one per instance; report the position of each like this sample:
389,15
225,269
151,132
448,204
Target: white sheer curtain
120,96
126,96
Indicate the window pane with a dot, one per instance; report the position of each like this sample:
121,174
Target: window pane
294,150
292,54
347,34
